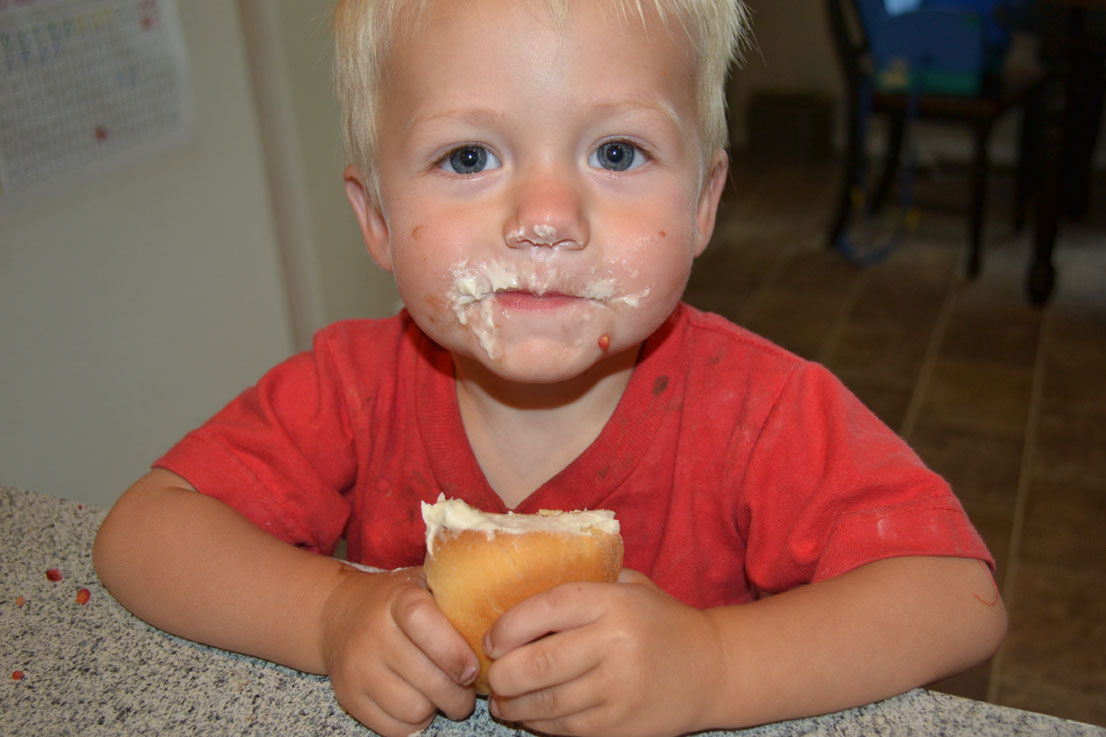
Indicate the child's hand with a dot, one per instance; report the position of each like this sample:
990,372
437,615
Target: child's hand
393,658
622,659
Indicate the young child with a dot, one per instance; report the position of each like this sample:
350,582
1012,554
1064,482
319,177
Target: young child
539,176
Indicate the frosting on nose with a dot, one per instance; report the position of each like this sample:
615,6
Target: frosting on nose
541,234
546,233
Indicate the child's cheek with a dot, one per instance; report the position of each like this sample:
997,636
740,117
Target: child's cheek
436,309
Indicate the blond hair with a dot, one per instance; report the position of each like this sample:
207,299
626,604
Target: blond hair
364,30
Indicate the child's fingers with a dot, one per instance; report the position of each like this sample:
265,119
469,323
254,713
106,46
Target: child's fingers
425,625
398,651
400,694
436,690
443,666
563,607
540,668
629,575
377,695
567,708
387,722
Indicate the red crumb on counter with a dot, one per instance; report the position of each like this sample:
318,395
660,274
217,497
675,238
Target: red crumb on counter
53,575
20,601
83,596
17,675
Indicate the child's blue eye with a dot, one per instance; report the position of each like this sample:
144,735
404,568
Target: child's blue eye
617,156
469,159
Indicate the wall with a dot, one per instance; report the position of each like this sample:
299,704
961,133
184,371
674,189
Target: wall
133,307
330,275
791,49
354,285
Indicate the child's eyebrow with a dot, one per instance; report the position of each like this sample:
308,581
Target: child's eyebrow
473,116
647,104
482,116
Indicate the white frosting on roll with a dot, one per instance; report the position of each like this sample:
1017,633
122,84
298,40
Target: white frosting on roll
454,514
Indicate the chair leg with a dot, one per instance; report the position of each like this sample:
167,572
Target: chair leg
1089,87
1028,167
979,200
853,154
890,160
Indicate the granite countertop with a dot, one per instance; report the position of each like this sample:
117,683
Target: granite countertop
92,668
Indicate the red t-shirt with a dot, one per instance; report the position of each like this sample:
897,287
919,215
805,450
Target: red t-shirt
734,467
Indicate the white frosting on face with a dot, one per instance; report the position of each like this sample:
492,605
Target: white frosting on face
473,284
548,232
454,514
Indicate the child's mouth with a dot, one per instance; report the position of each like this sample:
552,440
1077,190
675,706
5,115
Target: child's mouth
481,293
516,299
529,288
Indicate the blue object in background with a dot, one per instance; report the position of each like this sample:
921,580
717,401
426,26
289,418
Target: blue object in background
936,46
895,7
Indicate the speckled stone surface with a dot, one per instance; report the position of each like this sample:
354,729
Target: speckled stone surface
94,669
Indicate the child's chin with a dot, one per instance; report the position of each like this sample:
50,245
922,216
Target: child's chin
539,364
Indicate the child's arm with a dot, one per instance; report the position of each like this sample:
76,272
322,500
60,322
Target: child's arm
192,565
628,659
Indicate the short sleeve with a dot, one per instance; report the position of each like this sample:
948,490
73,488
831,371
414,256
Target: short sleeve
829,488
281,453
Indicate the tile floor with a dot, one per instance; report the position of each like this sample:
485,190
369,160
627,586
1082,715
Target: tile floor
1005,400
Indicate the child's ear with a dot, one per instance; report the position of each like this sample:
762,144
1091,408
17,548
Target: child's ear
374,228
709,196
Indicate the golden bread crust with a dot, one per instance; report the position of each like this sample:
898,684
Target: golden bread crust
475,575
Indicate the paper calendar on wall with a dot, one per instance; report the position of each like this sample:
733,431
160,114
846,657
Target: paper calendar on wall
87,86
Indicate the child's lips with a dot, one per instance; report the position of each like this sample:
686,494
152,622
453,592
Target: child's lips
530,287
534,302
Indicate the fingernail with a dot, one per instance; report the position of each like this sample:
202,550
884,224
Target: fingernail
488,645
469,675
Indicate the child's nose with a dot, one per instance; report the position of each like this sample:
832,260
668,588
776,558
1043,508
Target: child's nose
547,212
